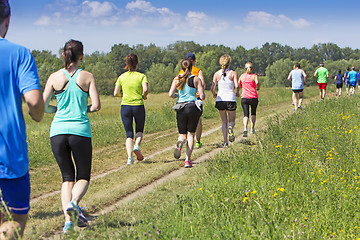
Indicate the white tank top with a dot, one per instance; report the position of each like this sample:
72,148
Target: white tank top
226,88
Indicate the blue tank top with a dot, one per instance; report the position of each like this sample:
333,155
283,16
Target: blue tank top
71,115
297,79
188,94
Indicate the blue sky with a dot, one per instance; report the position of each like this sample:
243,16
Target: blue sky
48,24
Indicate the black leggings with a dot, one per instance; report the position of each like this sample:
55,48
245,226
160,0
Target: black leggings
63,146
246,103
128,115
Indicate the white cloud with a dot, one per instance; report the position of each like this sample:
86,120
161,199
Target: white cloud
264,19
142,6
43,21
97,9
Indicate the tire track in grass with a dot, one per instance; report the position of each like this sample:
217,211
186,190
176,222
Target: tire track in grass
50,194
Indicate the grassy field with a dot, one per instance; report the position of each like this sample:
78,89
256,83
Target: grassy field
299,179
109,154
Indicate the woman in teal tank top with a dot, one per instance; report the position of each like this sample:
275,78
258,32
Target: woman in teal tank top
70,132
188,109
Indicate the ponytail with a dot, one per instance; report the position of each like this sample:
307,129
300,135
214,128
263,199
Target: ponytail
73,50
186,66
224,63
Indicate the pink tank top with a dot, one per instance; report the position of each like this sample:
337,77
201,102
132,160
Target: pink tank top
248,86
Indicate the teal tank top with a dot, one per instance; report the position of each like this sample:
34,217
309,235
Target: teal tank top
188,94
71,115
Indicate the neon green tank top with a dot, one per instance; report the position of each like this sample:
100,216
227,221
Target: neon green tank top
71,115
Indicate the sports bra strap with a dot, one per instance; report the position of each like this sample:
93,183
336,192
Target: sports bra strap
191,81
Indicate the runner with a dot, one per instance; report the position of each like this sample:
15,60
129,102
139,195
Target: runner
198,73
322,74
339,83
70,132
188,108
134,88
227,81
249,97
353,76
346,79
18,78
298,78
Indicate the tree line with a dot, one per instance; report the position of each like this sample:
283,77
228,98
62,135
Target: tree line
273,61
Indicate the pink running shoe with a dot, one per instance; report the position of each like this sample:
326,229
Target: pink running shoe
188,164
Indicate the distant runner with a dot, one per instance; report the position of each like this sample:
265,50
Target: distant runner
347,81
322,74
298,78
249,97
353,77
134,88
339,83
188,108
70,133
198,73
227,82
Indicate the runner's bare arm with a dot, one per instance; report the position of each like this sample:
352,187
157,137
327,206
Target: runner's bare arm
172,88
145,90
35,103
305,77
47,95
289,77
94,96
256,79
213,85
200,88
201,76
236,83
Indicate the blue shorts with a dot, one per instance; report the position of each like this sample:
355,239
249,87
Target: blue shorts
353,83
16,193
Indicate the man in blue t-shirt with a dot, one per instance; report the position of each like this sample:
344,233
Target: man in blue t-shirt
18,77
353,76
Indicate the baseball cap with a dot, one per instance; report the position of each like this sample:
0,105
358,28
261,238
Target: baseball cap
190,56
4,8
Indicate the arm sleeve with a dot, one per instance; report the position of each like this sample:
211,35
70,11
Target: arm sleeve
144,79
27,73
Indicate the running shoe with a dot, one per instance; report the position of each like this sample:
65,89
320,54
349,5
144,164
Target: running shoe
231,135
177,151
300,107
252,131
68,226
245,133
138,153
225,145
188,164
198,144
76,214
130,161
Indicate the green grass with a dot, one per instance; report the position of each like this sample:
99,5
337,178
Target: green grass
299,180
107,128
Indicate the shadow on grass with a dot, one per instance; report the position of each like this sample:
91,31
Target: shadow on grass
44,215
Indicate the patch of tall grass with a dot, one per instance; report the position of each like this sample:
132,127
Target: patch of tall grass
299,180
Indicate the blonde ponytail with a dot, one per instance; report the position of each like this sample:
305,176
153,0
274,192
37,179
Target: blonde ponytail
248,67
224,63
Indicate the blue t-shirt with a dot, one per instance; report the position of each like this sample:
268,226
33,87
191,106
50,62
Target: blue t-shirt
18,75
353,76
339,78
